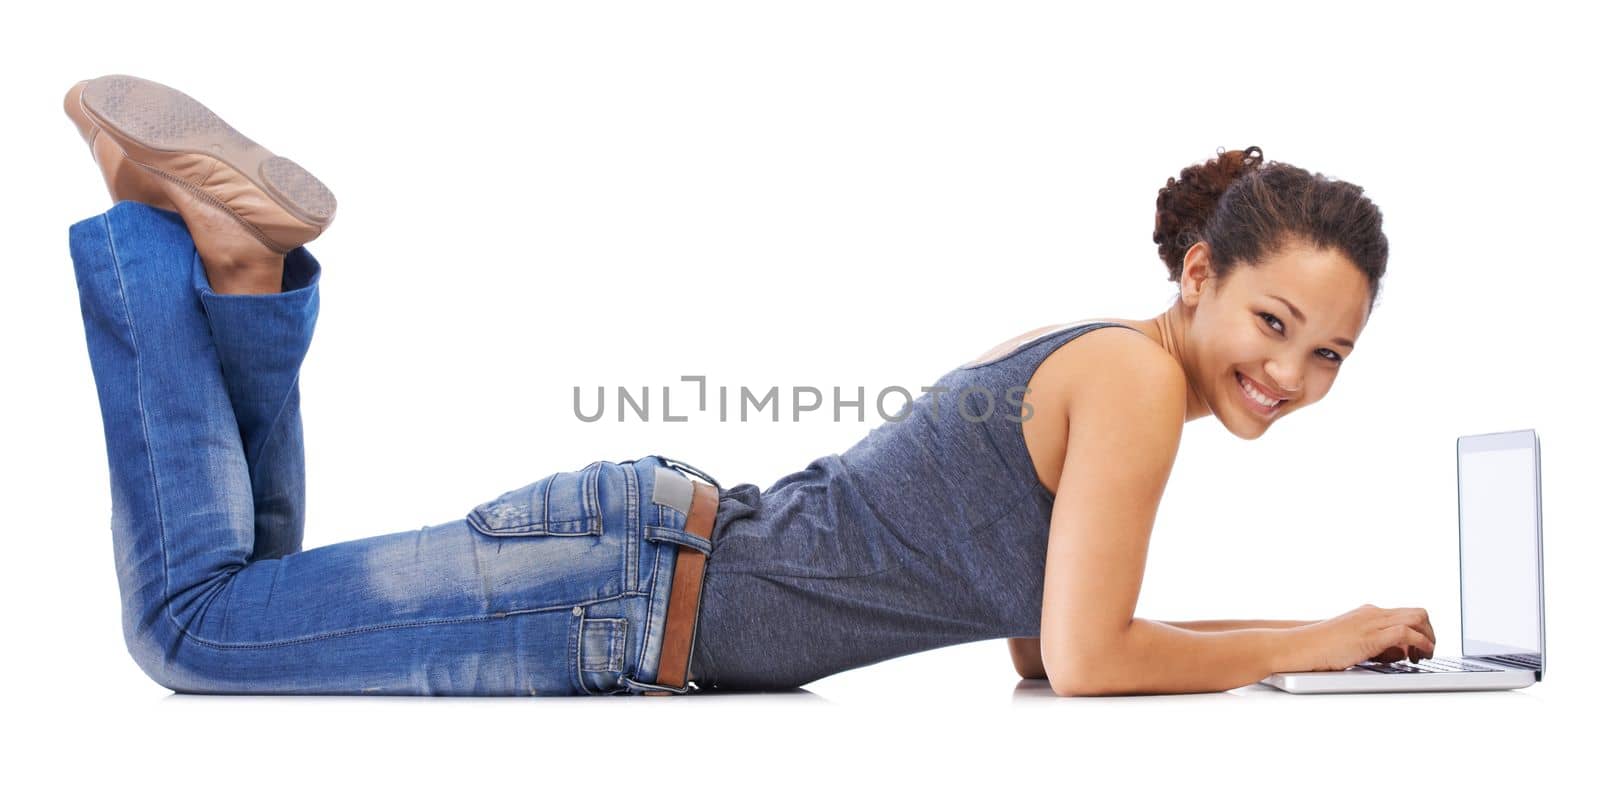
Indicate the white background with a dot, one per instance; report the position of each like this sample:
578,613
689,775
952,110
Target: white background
538,196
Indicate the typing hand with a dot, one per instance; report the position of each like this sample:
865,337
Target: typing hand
1367,632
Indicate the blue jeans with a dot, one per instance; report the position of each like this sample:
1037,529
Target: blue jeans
555,588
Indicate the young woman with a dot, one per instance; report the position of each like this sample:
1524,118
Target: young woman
1015,501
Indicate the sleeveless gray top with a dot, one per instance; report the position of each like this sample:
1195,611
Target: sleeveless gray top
928,532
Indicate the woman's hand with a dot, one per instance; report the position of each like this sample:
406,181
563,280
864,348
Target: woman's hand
1364,633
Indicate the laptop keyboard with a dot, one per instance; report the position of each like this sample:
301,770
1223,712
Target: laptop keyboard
1433,665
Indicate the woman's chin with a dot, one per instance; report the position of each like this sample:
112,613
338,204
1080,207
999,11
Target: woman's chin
1248,435
1245,426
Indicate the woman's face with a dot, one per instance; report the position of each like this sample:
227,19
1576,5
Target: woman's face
1250,326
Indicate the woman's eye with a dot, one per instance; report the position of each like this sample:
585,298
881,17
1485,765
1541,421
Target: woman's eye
1276,324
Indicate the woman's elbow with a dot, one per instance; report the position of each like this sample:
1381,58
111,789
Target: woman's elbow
1071,674
1077,688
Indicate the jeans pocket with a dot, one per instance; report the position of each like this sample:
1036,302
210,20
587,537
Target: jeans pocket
563,503
602,649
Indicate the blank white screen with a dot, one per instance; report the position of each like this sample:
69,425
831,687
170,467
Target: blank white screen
1499,553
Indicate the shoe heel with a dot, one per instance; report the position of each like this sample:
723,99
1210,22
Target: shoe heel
298,188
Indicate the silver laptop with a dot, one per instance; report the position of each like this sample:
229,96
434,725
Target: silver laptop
1502,583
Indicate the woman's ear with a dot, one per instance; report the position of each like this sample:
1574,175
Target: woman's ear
1197,273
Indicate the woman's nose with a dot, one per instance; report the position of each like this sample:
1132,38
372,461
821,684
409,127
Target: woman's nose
1286,379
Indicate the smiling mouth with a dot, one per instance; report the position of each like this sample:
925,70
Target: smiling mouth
1262,410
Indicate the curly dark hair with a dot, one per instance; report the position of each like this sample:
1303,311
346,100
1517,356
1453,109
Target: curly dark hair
1247,210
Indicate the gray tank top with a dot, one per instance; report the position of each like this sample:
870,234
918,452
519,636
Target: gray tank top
928,532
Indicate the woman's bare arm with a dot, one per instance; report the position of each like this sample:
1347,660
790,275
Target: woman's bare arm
1026,657
1228,626
1125,429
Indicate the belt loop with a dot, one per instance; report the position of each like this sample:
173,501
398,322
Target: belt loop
691,470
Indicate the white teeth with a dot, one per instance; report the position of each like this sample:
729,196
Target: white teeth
1257,395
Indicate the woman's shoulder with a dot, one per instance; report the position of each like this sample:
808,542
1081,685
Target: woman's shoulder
1006,347
1092,363
1095,358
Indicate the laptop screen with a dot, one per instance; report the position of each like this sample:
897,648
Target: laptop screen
1498,494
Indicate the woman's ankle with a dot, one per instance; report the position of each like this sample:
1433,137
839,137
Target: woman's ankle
264,276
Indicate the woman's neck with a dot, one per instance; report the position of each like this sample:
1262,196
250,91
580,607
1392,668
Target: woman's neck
1171,330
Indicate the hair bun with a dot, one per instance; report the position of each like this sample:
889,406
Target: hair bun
1185,204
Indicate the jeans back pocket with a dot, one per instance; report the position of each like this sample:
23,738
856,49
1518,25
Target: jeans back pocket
563,503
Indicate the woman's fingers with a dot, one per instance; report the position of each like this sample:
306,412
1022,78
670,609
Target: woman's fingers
1408,639
1391,654
1426,627
1417,618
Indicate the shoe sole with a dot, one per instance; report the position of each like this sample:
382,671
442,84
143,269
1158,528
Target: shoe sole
162,119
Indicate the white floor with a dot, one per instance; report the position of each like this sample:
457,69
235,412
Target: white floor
944,721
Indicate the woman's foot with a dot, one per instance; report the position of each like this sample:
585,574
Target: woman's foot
244,207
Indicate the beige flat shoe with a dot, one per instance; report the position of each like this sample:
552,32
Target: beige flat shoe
156,143
125,180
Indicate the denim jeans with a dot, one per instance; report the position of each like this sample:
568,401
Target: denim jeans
558,587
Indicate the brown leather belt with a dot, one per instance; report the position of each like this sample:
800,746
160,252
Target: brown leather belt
683,603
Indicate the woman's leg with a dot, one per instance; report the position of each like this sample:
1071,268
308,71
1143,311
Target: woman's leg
454,609
261,340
